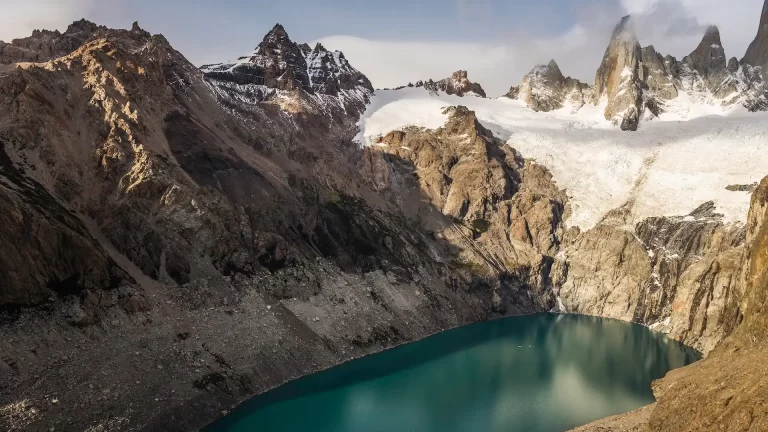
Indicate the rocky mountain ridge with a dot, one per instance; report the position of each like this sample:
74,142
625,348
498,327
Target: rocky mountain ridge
457,84
279,64
545,88
634,81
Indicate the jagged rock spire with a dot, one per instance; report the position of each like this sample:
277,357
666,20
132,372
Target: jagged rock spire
709,57
757,53
619,76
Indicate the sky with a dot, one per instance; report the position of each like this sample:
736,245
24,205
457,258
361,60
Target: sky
399,41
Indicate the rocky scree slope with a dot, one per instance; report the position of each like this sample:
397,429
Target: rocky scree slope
163,206
633,81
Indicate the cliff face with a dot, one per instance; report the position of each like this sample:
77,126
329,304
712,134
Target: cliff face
728,388
676,274
725,391
757,52
500,213
618,77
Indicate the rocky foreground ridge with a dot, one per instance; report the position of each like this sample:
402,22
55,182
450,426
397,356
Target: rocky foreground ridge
633,82
181,239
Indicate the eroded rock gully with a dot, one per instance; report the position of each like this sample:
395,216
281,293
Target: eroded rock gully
193,239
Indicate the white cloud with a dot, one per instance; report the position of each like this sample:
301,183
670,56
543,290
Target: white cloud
20,17
673,26
390,64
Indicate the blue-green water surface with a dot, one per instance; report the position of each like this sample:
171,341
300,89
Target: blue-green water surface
542,372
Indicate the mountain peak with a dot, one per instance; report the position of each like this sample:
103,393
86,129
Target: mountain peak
553,64
281,64
712,35
82,25
757,53
459,75
708,59
617,78
545,88
625,30
276,37
278,29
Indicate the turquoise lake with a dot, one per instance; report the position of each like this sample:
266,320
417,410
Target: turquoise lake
543,372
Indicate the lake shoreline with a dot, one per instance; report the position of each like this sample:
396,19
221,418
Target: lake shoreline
390,351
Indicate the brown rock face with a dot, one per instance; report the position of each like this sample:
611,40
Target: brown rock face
502,214
726,391
673,273
757,52
617,80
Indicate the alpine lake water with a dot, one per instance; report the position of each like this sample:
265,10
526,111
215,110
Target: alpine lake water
543,372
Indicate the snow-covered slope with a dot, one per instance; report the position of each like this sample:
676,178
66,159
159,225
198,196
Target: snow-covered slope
279,68
668,167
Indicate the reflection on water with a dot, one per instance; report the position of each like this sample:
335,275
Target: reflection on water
536,373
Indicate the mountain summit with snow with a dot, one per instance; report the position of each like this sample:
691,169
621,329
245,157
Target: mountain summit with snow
279,64
545,88
633,82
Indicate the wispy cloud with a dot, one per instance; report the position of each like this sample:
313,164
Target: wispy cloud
672,26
